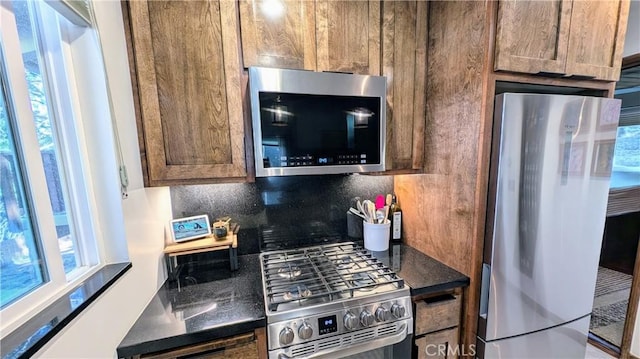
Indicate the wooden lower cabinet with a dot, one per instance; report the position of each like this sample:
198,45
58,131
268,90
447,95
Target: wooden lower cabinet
439,345
251,345
437,326
436,313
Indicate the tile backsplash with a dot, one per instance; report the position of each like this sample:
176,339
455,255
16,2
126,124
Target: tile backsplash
294,202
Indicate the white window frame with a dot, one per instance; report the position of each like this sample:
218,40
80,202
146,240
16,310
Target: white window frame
74,164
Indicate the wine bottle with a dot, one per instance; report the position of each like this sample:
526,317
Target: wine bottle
396,220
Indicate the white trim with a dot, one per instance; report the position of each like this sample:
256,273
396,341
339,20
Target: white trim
69,140
33,170
58,65
76,11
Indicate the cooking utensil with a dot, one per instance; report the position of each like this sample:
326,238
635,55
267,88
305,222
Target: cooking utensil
379,201
371,211
357,213
361,208
365,210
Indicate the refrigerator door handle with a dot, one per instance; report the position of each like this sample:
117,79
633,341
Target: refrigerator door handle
484,290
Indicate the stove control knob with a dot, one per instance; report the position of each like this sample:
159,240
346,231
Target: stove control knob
286,336
305,331
350,321
366,318
382,314
397,310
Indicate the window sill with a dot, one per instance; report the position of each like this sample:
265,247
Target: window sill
27,339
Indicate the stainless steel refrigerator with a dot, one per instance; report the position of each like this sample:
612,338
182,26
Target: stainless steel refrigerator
549,182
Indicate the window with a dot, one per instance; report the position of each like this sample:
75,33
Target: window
46,228
626,158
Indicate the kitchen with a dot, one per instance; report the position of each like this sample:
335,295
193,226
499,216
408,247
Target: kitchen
147,209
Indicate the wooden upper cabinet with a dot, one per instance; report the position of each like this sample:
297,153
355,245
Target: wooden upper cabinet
321,35
348,36
188,74
404,63
571,38
278,33
531,36
596,40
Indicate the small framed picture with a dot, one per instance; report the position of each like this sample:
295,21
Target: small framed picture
603,158
184,229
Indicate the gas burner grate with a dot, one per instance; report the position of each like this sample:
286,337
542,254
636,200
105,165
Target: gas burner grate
325,273
344,262
297,292
289,271
364,281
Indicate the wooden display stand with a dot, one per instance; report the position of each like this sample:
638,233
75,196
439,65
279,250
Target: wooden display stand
206,244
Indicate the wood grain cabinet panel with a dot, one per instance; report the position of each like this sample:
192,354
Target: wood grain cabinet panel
531,36
437,325
278,33
439,345
189,85
566,37
596,40
321,35
244,346
348,36
404,63
437,313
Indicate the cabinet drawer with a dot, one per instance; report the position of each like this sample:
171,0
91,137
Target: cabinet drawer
242,346
438,345
437,313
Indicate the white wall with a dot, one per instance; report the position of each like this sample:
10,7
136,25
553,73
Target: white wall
632,39
98,330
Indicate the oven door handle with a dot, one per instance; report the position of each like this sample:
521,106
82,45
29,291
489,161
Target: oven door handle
357,348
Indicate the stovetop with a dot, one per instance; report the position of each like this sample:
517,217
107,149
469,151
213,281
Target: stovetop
311,276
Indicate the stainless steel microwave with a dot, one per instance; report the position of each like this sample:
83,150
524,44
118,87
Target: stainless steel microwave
309,123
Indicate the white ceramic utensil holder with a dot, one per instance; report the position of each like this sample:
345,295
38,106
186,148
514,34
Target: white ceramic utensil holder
376,235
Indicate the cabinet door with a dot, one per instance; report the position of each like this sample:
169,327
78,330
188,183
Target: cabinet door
436,313
278,33
440,345
531,36
348,36
243,346
596,39
188,71
404,63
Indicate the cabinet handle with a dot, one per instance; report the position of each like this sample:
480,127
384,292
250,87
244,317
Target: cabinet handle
439,299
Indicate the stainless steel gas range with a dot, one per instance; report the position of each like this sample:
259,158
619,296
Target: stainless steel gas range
334,300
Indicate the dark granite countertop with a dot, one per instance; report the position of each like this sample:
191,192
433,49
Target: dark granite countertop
226,303
424,274
212,302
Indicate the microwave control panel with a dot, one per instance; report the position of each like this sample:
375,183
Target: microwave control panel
309,160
